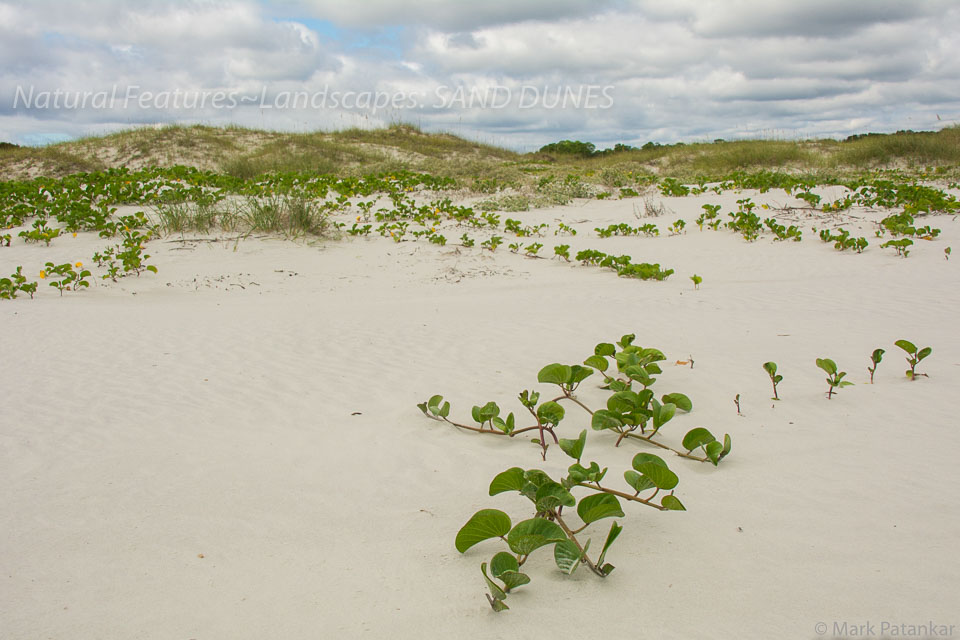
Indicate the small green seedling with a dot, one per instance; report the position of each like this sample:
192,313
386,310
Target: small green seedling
875,359
835,378
771,369
736,401
946,253
914,356
696,281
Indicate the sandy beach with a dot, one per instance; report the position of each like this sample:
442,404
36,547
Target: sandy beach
231,447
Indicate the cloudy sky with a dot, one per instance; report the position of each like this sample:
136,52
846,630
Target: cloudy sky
517,73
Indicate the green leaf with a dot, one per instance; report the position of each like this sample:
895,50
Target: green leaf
638,481
514,579
713,450
672,503
626,359
592,474
681,401
627,340
536,477
604,419
486,412
651,354
907,346
645,458
770,368
617,385
615,530
604,349
638,373
506,427
697,437
598,506
555,374
827,365
923,353
567,555
485,524
623,402
662,413
495,590
552,495
503,561
877,355
510,480
727,445
532,534
597,362
658,474
578,374
574,448
550,413
445,410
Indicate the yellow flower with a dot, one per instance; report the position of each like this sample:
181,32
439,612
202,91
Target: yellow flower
74,234
358,218
43,275
78,265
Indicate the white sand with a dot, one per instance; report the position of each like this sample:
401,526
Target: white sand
179,459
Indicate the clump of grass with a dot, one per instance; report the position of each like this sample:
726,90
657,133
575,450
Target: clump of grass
203,218
507,202
293,215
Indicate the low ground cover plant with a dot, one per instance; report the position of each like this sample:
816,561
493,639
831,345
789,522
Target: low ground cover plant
628,372
914,357
834,377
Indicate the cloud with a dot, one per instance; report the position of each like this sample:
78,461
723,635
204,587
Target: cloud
682,70
447,15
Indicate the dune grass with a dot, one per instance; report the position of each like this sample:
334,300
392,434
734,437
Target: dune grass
248,153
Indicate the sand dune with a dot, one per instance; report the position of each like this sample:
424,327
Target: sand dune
231,447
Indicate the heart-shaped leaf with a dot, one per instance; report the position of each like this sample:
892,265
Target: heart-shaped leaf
555,374
550,413
530,535
485,524
638,481
503,561
827,365
907,346
680,400
658,474
597,362
604,349
574,448
552,495
598,506
510,480
567,555
672,503
697,437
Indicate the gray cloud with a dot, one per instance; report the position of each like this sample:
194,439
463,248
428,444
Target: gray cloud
684,70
